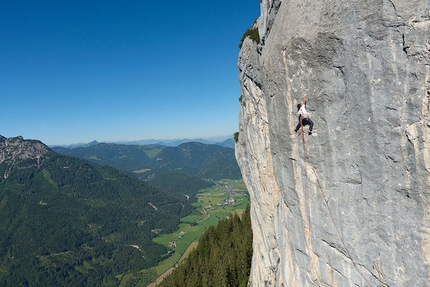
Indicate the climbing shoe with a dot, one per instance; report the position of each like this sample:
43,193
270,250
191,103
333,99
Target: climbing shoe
310,132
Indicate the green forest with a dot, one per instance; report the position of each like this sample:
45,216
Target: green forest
222,258
175,183
69,222
206,161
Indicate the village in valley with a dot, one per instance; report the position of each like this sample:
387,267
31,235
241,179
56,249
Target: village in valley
236,194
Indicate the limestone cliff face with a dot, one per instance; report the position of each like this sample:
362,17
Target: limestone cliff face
349,206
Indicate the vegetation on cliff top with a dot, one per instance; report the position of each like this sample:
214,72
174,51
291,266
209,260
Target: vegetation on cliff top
252,33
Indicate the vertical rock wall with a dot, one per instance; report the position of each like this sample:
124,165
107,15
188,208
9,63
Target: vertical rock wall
349,205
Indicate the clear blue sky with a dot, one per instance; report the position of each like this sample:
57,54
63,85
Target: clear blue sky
77,71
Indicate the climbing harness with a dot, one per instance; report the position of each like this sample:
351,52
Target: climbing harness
306,156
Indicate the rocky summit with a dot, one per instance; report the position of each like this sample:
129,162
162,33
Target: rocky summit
348,205
17,152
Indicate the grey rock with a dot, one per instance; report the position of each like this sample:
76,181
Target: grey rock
349,206
16,152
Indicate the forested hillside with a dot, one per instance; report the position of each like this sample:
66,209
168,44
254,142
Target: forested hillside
202,160
175,182
222,257
206,161
67,222
123,157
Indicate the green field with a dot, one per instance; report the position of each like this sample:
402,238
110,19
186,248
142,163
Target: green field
209,212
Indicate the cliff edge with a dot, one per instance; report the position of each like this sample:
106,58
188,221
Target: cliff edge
348,205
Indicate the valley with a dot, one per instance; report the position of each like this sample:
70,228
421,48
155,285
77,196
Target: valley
209,210
108,215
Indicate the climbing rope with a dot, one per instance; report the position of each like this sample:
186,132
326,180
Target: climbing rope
308,158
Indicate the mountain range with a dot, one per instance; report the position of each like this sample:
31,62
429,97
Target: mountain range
222,141
70,222
177,170
206,161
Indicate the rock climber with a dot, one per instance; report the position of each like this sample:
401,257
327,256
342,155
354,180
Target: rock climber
304,118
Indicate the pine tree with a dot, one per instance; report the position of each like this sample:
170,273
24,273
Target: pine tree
222,257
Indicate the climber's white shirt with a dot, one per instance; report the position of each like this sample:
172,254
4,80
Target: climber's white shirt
303,112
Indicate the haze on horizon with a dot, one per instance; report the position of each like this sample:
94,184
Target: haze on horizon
121,71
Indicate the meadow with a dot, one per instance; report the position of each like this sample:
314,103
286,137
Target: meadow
209,210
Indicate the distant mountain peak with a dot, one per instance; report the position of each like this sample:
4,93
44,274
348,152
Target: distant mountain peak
16,151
